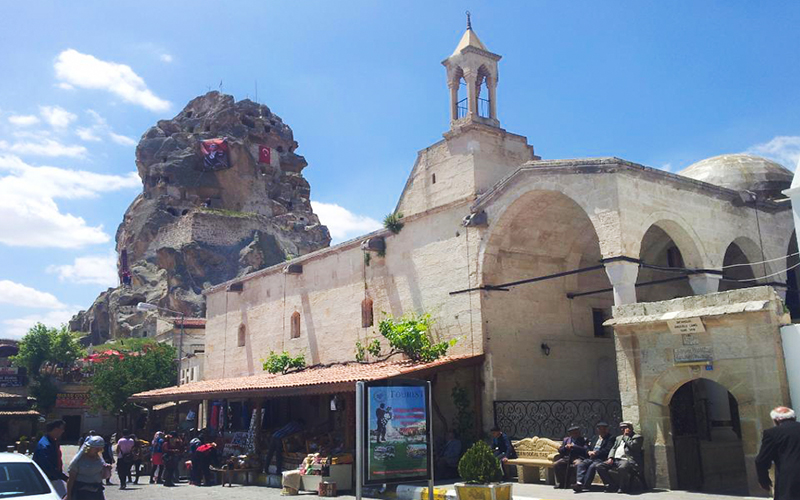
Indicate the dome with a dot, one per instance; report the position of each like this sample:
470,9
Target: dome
742,172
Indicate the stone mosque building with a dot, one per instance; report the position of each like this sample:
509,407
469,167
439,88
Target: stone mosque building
577,289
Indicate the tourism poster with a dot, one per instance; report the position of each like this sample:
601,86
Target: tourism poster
397,435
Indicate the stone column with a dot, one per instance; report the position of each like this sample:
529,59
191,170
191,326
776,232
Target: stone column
453,100
472,94
622,275
704,283
491,84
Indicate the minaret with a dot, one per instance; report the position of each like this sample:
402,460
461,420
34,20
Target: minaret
472,64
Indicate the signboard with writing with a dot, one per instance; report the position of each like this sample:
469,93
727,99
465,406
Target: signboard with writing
72,400
396,439
11,381
9,370
686,326
694,354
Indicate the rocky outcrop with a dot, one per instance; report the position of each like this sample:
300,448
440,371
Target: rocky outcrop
195,225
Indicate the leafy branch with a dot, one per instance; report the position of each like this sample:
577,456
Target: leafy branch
283,362
409,335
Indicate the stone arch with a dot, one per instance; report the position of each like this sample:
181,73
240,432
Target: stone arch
659,432
741,251
666,243
681,232
542,232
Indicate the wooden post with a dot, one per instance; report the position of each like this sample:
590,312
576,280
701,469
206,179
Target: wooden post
350,420
259,410
478,397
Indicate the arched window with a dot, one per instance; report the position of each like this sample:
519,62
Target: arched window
295,325
242,335
366,313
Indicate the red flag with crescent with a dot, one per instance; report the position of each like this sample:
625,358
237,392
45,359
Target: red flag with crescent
264,154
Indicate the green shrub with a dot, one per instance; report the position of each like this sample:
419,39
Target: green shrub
393,222
479,465
283,362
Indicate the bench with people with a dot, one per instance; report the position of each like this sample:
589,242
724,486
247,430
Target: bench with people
575,462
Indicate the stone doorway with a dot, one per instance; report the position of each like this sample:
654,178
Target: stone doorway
707,439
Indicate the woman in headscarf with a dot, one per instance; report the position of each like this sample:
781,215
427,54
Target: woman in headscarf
157,458
87,471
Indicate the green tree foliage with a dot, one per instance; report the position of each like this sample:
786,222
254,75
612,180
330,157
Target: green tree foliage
479,465
373,348
283,362
410,335
56,347
43,352
148,366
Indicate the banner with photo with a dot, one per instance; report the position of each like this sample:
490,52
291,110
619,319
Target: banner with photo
397,434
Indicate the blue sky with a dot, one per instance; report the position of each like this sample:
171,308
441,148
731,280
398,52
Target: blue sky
360,83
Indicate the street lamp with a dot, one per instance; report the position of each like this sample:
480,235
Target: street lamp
146,306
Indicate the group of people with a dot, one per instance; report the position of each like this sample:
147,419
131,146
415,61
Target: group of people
615,459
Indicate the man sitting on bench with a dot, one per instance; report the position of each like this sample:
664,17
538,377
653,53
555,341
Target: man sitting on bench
572,450
598,448
624,457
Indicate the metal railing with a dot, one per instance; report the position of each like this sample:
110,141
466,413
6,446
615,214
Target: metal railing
484,108
552,417
462,108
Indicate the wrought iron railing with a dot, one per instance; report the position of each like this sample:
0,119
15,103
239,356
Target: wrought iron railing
484,109
462,108
551,418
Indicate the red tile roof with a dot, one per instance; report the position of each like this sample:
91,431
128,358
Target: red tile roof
314,380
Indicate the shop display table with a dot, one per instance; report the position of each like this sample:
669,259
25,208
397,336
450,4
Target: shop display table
341,474
227,475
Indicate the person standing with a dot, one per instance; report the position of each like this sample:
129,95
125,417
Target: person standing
598,448
137,453
781,445
157,458
572,450
48,455
108,454
624,456
124,458
87,471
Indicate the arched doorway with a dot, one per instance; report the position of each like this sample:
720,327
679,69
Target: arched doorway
736,269
707,439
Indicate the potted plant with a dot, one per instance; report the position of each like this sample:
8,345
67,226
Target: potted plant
480,470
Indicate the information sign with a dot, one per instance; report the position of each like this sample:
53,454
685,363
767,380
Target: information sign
396,427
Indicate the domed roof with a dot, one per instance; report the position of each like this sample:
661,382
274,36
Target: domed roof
742,172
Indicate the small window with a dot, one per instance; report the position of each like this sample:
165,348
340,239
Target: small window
242,335
366,313
433,179
599,316
280,149
674,257
295,325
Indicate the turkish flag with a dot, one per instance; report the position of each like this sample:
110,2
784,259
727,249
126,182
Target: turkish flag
264,154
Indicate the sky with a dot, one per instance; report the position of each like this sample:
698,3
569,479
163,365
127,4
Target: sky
361,84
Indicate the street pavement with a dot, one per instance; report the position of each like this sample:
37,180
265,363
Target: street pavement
184,491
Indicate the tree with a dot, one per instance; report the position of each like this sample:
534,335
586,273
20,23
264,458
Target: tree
114,379
43,352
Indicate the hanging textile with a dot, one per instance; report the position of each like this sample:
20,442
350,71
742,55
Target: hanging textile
215,153
250,448
215,416
264,154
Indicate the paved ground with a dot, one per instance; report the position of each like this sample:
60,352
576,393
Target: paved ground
521,492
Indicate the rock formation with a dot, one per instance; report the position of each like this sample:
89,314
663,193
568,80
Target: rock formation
196,225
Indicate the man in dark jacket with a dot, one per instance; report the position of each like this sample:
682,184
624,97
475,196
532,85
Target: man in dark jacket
781,446
597,453
502,448
572,450
48,454
623,457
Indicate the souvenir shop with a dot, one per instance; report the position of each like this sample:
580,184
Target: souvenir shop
311,411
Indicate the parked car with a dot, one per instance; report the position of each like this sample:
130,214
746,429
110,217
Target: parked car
21,478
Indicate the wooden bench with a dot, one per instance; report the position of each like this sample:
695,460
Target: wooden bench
534,454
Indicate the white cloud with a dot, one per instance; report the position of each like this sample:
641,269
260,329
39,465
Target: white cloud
57,116
785,149
23,120
86,71
25,296
45,147
65,86
87,134
16,328
165,58
89,270
101,127
124,140
342,223
29,215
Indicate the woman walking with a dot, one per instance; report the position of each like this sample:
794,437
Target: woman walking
87,471
158,458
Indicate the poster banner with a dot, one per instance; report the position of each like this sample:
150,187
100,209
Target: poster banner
397,438
72,400
215,154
